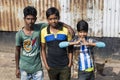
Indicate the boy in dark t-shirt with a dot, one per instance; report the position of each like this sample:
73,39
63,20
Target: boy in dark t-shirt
57,61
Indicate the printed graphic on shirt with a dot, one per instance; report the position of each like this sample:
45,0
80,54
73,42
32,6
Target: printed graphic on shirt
28,46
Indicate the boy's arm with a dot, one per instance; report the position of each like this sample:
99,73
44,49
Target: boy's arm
17,58
71,31
43,48
74,41
44,25
70,55
43,52
97,44
93,43
66,43
17,52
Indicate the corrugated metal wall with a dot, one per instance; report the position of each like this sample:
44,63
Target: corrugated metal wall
111,26
102,15
11,12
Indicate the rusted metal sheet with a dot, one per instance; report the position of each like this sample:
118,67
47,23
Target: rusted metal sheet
11,12
102,15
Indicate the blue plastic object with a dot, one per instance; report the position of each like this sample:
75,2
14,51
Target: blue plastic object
63,44
100,44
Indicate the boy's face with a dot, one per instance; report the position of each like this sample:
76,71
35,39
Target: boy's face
82,34
53,20
29,20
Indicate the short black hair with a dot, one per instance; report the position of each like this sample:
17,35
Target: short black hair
51,11
30,10
82,26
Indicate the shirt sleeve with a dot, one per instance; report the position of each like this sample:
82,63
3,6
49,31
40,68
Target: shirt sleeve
40,26
18,39
69,37
43,35
44,25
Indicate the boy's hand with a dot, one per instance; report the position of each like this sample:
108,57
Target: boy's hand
47,67
88,43
85,42
77,42
17,73
69,65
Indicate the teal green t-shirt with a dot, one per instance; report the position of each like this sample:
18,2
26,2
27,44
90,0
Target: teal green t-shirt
30,60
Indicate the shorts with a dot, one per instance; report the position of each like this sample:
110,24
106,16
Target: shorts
83,75
59,73
31,76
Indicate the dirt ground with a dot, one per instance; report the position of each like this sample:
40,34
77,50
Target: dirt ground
111,70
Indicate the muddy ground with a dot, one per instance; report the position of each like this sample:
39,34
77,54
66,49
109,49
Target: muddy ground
111,70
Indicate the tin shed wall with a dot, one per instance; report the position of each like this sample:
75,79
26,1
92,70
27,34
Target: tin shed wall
111,25
102,15
11,12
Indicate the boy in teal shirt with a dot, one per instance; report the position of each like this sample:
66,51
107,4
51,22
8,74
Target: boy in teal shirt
27,55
